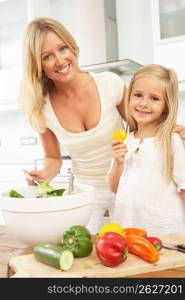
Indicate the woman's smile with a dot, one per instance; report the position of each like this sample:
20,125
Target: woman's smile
64,69
58,61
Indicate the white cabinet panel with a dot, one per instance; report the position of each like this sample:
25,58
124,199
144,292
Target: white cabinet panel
169,34
9,86
172,18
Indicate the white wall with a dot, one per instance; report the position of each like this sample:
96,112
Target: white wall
172,55
134,19
181,112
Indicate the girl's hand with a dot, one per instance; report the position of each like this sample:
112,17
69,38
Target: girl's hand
41,175
118,151
180,130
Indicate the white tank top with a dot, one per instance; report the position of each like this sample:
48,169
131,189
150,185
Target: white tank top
90,150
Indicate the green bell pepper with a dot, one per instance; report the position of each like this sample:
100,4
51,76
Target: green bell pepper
77,239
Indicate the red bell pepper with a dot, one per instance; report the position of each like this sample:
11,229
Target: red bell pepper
156,242
111,249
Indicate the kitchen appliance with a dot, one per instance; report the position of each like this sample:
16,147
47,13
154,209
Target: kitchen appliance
121,67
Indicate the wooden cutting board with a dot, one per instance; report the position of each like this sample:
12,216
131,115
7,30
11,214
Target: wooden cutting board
28,266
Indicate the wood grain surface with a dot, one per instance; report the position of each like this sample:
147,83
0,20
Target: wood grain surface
28,266
13,250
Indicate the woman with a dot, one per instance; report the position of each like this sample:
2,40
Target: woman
70,107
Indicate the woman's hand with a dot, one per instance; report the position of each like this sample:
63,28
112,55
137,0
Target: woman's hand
50,170
180,130
119,149
41,175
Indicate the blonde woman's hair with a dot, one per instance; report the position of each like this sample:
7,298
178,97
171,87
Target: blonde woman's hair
35,84
169,82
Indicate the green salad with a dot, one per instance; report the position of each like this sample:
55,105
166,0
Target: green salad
43,190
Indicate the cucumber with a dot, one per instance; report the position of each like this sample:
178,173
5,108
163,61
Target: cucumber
54,255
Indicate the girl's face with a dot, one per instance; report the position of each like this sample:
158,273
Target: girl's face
146,101
58,61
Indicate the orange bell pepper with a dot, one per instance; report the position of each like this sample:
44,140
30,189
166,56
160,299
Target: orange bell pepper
137,231
141,247
111,227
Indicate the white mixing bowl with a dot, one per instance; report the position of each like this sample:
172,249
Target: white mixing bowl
43,220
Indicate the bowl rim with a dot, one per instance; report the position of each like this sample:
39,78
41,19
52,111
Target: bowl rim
34,204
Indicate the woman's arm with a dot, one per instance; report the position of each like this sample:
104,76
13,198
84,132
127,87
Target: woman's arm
118,152
121,106
182,194
52,158
180,130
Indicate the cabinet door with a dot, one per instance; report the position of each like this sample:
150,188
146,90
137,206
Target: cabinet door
169,16
13,20
169,35
172,18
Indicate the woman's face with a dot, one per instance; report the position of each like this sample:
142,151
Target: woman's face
58,61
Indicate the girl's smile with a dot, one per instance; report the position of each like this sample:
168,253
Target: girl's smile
147,101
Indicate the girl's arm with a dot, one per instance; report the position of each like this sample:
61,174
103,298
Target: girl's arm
118,152
52,158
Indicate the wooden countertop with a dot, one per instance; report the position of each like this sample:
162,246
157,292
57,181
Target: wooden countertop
10,246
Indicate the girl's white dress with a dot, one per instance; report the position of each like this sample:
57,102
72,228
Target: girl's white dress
143,199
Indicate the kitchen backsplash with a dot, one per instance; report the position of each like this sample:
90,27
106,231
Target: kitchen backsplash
20,146
19,143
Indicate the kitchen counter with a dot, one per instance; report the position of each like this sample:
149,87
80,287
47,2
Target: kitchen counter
10,247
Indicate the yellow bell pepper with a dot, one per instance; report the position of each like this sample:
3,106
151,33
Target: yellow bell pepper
120,135
111,227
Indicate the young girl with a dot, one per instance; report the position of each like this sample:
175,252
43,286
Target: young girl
148,170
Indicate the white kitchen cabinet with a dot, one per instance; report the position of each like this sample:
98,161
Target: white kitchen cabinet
170,19
12,27
91,22
169,35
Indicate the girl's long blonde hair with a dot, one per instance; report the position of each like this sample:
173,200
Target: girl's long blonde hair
35,84
168,80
